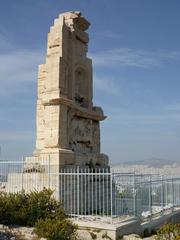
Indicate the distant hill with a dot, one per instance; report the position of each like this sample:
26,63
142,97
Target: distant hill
153,162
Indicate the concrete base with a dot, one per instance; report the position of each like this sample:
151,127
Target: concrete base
132,225
113,231
156,222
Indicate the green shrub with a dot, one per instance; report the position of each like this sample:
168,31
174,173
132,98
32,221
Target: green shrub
146,232
12,208
93,235
41,205
55,229
105,235
26,209
168,231
37,209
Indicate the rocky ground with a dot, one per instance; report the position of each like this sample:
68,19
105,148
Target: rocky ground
89,235
26,233
16,233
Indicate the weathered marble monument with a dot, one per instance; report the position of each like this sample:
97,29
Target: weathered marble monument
68,125
67,122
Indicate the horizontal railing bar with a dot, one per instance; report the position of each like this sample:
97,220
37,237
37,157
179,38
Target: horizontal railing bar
78,174
164,180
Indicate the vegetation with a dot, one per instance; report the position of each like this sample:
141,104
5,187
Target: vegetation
39,210
105,235
93,235
168,231
55,229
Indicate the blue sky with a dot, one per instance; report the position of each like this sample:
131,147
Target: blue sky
135,46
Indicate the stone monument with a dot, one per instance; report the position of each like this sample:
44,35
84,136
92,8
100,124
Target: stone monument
68,125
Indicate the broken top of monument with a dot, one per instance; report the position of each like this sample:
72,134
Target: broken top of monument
67,122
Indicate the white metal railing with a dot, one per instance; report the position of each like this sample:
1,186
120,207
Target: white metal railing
94,194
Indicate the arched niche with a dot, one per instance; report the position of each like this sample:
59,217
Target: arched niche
81,87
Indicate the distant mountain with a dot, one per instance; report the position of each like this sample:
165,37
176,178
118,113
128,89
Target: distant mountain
153,162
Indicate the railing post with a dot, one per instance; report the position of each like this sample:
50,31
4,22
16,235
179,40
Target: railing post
22,178
48,171
172,192
162,194
150,196
111,182
134,194
78,191
179,193
166,192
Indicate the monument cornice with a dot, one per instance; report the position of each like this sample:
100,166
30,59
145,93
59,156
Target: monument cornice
79,111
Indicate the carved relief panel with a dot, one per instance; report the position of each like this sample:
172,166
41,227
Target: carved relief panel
84,135
80,135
